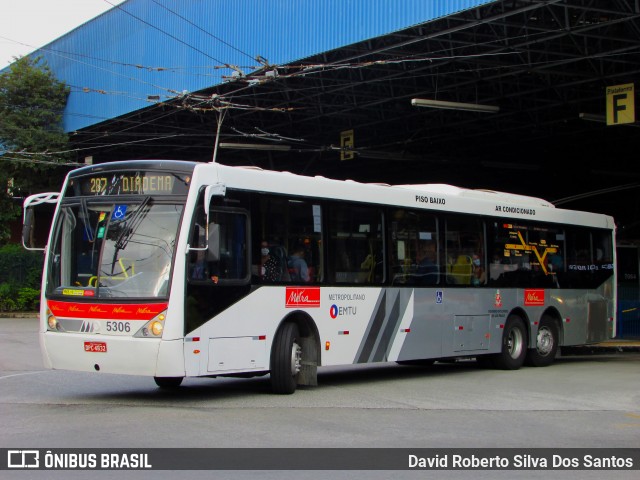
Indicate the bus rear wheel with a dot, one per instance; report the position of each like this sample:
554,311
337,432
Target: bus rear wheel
286,359
514,345
546,344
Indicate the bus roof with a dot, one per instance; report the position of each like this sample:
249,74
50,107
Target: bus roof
436,197
483,194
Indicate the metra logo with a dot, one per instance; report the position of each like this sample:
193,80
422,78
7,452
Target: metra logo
120,310
135,311
533,297
302,297
97,309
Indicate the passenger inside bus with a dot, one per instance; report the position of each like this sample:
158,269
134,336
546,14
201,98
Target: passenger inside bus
298,268
427,269
461,270
270,265
479,276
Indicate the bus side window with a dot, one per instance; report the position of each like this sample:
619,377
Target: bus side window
465,251
226,258
291,230
415,248
356,246
589,257
228,243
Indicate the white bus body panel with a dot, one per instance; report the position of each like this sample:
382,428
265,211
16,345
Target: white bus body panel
369,324
126,355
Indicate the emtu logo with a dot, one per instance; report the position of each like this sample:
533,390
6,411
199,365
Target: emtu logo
23,459
336,311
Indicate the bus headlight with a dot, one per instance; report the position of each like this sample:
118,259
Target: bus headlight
53,324
156,328
153,328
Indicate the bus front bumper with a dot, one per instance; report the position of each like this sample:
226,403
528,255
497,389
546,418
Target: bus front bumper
111,354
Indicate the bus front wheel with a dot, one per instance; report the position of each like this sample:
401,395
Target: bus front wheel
168,383
286,359
514,345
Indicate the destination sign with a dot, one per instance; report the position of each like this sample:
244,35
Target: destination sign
129,183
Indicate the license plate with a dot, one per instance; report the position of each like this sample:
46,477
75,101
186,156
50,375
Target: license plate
100,347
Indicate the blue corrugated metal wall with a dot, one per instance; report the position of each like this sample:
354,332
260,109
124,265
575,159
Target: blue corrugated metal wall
114,62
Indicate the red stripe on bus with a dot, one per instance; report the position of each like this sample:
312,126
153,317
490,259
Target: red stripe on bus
119,311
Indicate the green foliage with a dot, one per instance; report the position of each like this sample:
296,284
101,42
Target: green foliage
28,299
14,298
7,294
31,106
20,275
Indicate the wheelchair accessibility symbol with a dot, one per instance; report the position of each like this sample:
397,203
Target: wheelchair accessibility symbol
439,299
119,212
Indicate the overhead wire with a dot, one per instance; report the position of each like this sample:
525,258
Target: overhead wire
202,101
203,30
119,7
137,66
306,69
257,77
39,161
173,37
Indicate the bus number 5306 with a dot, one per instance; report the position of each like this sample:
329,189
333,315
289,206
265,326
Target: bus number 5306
121,327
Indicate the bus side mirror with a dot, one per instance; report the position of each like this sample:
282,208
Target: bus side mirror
213,251
27,229
29,234
216,190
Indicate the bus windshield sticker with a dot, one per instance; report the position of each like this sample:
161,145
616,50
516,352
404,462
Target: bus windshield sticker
119,212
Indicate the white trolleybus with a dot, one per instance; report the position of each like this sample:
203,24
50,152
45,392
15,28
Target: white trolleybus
178,269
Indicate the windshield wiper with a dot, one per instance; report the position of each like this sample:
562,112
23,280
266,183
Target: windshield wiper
131,225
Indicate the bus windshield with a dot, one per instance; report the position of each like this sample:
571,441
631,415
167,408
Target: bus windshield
113,249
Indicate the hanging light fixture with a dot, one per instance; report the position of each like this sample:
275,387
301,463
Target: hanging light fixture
467,107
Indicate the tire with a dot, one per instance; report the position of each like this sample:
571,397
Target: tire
168,383
546,348
514,345
286,359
